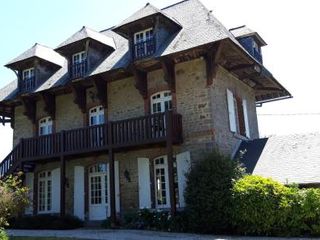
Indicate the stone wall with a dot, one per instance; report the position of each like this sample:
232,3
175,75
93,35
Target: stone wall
225,140
23,127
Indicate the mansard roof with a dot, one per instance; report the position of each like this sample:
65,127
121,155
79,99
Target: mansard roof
147,11
244,31
87,33
198,28
38,51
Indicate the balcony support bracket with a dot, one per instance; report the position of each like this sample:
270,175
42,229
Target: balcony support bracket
49,104
79,93
168,67
140,81
30,108
102,91
212,60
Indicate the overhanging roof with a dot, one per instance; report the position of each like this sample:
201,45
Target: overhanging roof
38,51
244,31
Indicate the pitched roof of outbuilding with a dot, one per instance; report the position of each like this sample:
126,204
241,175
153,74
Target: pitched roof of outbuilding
289,159
40,51
85,33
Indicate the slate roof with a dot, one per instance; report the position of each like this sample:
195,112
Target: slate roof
39,51
85,33
244,31
289,159
147,10
199,27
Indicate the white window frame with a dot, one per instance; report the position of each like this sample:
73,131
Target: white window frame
99,170
28,73
47,124
45,179
144,35
163,100
82,57
98,113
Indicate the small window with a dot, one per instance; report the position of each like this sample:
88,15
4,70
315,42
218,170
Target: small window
45,126
79,57
28,80
96,116
161,102
144,44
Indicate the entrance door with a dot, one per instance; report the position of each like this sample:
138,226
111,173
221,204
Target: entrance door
98,192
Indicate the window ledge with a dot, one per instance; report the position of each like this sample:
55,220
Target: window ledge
240,137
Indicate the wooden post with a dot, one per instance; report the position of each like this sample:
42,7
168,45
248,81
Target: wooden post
62,177
170,162
112,178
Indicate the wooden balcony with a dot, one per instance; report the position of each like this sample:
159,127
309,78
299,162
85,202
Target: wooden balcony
28,84
118,135
79,70
144,49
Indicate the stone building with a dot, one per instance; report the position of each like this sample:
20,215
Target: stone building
111,121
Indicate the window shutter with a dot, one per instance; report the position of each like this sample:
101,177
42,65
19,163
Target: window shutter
79,192
55,190
144,183
117,187
246,118
29,184
183,167
232,113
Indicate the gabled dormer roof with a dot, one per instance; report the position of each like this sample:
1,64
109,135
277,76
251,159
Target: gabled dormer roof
37,51
244,31
87,33
147,11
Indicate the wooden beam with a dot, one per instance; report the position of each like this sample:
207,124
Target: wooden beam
212,60
80,98
168,67
101,86
30,108
49,104
140,81
241,67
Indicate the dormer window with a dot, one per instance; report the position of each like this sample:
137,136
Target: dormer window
144,44
28,80
79,65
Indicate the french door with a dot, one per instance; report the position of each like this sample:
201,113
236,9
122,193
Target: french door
96,117
98,192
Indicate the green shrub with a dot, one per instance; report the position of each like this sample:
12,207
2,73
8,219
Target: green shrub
208,193
46,222
3,235
310,208
13,198
258,205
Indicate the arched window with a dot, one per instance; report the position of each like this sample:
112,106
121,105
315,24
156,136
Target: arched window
45,126
96,116
161,102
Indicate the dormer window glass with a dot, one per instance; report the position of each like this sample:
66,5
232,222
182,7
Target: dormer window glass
28,80
144,44
79,65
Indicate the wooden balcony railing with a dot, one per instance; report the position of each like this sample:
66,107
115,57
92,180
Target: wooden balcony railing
28,84
132,132
79,70
144,49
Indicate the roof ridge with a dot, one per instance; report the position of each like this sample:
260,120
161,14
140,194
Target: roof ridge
174,4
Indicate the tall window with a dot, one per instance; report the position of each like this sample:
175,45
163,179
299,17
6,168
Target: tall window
45,126
144,44
79,64
96,116
161,102
45,192
238,114
98,184
161,180
28,79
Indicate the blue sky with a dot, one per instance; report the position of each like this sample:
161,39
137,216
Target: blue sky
289,27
